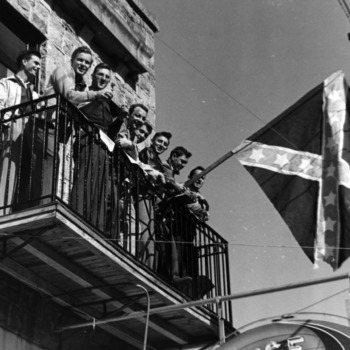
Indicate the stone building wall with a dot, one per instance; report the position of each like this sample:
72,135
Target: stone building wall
125,21
119,32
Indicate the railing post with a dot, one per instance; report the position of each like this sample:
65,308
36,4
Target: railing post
228,284
116,160
147,316
221,322
137,216
56,149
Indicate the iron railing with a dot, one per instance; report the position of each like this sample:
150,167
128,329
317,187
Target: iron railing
51,152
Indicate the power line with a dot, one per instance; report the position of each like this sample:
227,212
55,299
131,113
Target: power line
343,4
131,240
321,301
210,80
237,149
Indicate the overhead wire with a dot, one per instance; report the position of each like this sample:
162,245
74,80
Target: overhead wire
321,301
227,244
237,149
345,8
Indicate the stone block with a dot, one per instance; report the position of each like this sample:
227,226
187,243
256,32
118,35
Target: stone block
55,35
24,7
144,84
68,46
40,22
42,9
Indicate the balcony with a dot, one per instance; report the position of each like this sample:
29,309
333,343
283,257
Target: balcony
83,224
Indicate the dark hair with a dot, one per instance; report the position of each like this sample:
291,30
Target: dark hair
81,49
166,134
179,151
101,66
191,174
26,55
134,106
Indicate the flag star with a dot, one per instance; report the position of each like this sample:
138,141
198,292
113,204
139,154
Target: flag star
334,122
257,154
330,170
330,224
329,255
332,145
281,160
305,164
335,95
330,199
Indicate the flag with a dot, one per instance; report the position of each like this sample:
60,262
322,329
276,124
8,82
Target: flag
301,160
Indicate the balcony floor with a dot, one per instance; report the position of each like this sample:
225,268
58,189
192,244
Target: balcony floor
52,250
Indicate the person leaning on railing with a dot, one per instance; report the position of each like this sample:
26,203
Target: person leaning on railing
135,130
170,223
130,133
199,206
15,90
127,137
67,81
159,144
183,230
93,189
150,156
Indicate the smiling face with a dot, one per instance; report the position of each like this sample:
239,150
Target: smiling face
160,144
199,183
142,133
100,78
81,63
137,118
31,66
178,162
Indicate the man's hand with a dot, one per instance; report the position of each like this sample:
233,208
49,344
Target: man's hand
203,202
155,177
104,94
124,113
123,142
178,187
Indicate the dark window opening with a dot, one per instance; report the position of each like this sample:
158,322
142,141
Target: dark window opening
16,34
10,46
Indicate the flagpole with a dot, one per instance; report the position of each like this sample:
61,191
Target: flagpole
215,164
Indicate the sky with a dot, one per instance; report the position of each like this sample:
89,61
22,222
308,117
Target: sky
225,68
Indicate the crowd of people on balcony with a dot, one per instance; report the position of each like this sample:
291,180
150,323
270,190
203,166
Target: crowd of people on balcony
31,145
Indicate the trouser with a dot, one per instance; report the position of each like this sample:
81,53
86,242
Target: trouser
37,177
93,192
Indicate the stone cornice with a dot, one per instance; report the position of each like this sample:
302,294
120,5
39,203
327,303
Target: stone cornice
141,10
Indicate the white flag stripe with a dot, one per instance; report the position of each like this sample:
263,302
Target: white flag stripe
282,160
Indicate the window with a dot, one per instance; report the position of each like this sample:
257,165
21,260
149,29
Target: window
16,34
10,46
